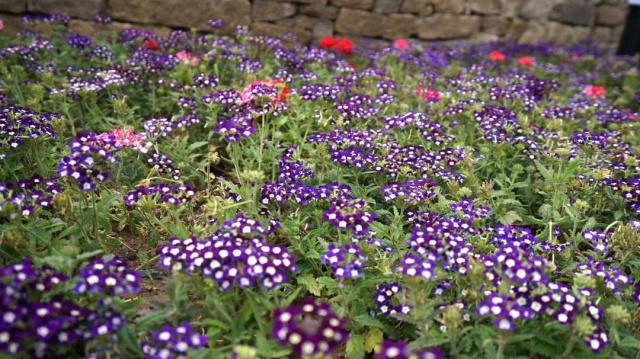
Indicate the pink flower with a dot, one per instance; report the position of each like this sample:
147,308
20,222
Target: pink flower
497,56
1,24
594,91
429,95
123,138
526,61
187,59
246,94
401,44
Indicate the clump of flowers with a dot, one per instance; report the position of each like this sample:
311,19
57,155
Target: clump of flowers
90,159
187,58
412,191
384,297
236,254
174,194
594,91
346,261
173,342
39,321
108,276
347,213
399,350
342,45
311,328
18,124
23,197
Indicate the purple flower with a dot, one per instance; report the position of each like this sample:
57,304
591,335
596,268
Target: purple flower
173,342
174,194
412,191
38,323
597,341
78,41
384,297
346,261
110,277
309,327
236,254
399,350
215,23
597,239
19,124
349,213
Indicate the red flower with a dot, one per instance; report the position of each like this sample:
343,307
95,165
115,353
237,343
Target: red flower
497,56
401,44
526,61
594,91
328,42
283,94
345,46
428,95
150,44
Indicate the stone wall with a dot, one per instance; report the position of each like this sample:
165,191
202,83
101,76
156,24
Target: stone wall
561,21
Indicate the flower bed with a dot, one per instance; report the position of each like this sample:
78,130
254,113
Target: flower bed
210,196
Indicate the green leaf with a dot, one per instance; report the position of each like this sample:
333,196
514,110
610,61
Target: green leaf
510,217
128,336
372,339
328,282
630,342
152,319
311,284
355,347
367,321
195,145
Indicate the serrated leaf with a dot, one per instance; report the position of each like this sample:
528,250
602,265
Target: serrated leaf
373,337
195,145
328,282
368,321
510,217
355,347
311,284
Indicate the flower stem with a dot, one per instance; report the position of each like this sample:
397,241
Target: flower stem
569,346
501,345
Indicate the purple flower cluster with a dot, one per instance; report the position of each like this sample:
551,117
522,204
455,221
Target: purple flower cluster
162,127
205,81
174,194
348,213
51,18
38,321
24,196
17,124
612,277
384,296
108,276
315,91
237,253
78,41
173,342
163,165
597,239
357,106
399,350
90,159
412,191
346,261
311,328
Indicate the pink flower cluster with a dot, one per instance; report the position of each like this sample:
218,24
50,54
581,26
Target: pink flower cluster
125,138
187,58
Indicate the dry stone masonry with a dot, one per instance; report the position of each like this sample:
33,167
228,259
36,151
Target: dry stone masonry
562,21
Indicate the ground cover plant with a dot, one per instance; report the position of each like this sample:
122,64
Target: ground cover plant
208,196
